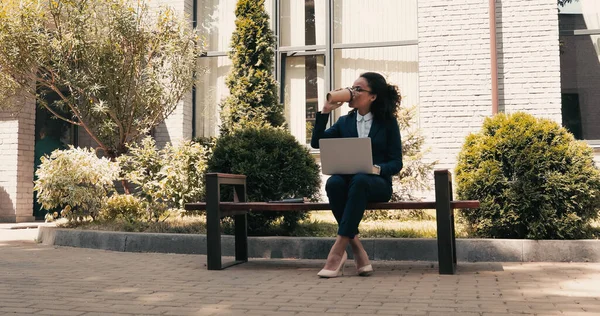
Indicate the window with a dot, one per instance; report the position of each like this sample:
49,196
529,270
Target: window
302,23
321,45
399,64
345,38
209,92
579,24
304,92
368,21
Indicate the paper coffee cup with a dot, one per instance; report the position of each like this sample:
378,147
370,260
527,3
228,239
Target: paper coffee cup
340,96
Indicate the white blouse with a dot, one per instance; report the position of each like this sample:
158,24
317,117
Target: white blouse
363,124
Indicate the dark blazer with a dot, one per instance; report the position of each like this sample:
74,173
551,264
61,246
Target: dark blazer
386,145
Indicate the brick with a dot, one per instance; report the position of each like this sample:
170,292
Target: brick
60,312
23,310
16,167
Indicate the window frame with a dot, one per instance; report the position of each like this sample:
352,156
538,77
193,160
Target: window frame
594,143
327,50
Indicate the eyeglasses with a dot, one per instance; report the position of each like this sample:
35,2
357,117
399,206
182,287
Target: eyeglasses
359,89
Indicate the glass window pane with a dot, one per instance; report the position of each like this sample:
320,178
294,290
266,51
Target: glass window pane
367,21
216,21
580,85
303,94
302,23
269,6
399,65
209,92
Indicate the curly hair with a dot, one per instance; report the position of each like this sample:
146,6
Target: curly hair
388,99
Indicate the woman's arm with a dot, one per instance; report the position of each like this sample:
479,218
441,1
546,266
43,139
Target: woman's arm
394,148
319,129
321,122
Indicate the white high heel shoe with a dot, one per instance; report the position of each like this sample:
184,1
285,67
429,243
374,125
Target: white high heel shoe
334,273
364,270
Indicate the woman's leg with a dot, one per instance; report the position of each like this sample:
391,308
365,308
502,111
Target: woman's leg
375,189
336,253
363,188
337,192
360,254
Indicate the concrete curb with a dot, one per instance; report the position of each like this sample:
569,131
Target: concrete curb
468,250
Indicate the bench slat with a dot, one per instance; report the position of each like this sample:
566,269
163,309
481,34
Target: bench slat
262,206
465,204
228,175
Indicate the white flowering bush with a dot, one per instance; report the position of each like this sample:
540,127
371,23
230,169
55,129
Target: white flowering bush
75,180
166,178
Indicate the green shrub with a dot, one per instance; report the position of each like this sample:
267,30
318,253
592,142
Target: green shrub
534,180
126,207
166,178
75,180
416,175
276,166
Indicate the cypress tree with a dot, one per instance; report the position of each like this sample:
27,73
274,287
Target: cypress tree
253,100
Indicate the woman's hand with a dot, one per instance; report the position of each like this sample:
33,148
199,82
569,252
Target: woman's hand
328,107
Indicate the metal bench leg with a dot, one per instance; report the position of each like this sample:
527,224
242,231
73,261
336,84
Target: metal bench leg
241,227
445,223
213,220
452,226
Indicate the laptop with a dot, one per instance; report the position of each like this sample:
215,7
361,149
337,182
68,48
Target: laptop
346,155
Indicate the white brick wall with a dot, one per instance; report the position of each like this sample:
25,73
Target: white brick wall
455,67
528,57
17,142
178,126
454,74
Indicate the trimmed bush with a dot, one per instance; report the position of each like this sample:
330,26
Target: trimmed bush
276,165
534,180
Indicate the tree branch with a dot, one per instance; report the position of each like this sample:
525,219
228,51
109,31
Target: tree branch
82,123
53,88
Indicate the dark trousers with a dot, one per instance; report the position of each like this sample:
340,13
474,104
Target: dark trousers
348,197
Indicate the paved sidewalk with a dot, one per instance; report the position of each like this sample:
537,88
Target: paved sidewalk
45,280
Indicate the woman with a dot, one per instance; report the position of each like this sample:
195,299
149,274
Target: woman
375,104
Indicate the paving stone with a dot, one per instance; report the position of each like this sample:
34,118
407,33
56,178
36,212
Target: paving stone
45,280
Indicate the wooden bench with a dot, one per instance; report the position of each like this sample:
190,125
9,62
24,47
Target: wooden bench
215,210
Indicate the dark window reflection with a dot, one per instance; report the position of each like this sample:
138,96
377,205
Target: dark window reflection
580,78
312,92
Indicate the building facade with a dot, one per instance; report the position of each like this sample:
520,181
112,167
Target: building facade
437,52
